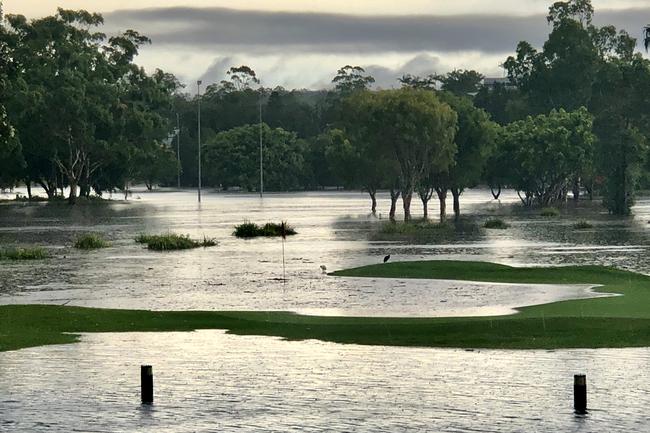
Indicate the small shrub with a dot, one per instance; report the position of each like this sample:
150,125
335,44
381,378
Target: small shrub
144,239
173,241
248,229
90,241
550,212
583,225
273,229
208,242
29,253
496,223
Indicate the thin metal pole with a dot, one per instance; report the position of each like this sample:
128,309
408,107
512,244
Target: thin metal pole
261,152
178,147
198,93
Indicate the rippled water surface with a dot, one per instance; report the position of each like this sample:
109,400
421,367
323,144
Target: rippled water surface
209,381
334,231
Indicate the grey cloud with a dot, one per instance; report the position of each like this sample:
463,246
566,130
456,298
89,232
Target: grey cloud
256,31
217,70
421,65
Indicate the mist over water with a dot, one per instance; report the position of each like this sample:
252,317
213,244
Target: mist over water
210,381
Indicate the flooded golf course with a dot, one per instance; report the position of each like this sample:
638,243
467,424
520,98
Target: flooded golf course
213,381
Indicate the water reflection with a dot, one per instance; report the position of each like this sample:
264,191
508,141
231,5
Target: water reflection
334,230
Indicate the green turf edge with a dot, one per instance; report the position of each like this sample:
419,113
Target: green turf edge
612,322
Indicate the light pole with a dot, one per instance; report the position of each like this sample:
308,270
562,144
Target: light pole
198,100
178,147
261,152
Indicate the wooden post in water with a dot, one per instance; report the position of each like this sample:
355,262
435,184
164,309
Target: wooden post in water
146,384
580,393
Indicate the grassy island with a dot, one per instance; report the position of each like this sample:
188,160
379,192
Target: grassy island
621,321
173,242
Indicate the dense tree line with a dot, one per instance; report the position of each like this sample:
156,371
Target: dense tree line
572,117
82,114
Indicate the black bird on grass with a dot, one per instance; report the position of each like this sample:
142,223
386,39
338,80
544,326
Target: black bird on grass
386,258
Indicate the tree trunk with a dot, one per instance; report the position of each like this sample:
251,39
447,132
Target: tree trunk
72,198
527,199
442,198
28,184
455,192
496,194
425,195
394,196
589,186
74,170
84,189
576,190
50,189
407,196
373,199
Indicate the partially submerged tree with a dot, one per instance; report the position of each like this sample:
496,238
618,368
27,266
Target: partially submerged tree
584,65
232,159
81,95
546,152
420,130
475,140
356,153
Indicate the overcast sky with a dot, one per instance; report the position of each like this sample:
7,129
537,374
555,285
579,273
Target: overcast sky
301,43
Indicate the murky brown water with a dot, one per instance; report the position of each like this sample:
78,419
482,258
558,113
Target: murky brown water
208,381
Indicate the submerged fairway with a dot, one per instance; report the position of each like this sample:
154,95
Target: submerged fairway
622,321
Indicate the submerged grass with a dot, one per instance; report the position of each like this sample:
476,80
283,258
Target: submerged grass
173,241
621,321
23,253
550,212
91,241
248,229
425,230
414,227
582,225
496,223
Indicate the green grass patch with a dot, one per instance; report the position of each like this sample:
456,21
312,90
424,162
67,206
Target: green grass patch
23,253
622,321
173,241
91,241
550,212
496,223
248,229
583,225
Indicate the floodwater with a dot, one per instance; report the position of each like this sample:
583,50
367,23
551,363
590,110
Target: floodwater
210,381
